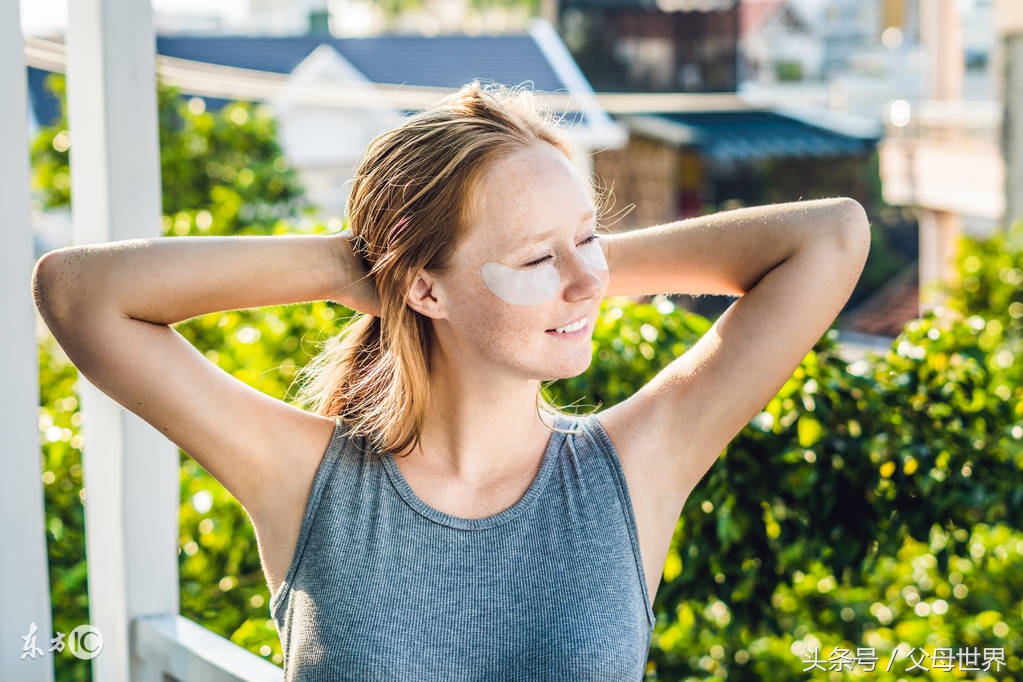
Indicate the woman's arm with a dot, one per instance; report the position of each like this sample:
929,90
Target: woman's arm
172,279
794,266
723,253
109,307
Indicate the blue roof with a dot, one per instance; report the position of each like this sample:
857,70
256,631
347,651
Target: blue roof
440,61
45,106
756,135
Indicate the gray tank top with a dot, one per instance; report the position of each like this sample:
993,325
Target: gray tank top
384,587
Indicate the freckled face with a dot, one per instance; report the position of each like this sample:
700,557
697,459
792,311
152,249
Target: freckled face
523,288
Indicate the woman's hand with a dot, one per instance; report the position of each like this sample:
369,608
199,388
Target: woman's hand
355,288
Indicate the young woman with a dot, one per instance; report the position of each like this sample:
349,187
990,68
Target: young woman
432,518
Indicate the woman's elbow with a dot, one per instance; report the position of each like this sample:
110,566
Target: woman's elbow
42,281
851,227
52,287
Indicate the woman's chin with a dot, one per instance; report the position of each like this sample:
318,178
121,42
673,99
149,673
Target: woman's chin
569,370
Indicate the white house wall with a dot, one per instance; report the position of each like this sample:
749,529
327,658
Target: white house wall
325,144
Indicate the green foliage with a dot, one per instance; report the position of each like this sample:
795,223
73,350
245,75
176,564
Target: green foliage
907,600
51,176
222,172
991,287
63,497
788,71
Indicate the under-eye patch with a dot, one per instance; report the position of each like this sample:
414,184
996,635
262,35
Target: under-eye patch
522,287
593,255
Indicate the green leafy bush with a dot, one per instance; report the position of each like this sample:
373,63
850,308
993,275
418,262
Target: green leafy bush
221,172
63,497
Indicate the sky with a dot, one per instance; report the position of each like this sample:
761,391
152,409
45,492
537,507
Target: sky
39,17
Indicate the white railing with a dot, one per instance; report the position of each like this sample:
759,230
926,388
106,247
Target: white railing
945,156
130,470
974,120
174,649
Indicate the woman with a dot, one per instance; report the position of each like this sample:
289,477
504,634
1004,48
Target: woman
432,518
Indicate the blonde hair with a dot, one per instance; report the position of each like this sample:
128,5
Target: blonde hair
411,203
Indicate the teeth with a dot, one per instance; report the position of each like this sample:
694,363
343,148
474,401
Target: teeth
574,327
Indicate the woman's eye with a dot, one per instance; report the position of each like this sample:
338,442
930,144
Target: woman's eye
540,261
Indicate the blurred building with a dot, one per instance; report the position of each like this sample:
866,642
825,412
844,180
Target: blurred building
868,52
683,164
942,154
1009,25
778,41
856,29
653,45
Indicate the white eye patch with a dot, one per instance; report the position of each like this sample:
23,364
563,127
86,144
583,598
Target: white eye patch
535,285
593,255
522,287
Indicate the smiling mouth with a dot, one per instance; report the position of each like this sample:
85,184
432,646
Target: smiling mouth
569,328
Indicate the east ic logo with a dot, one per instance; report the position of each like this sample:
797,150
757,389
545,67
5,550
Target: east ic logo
85,642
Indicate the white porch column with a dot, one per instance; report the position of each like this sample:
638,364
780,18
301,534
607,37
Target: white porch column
939,236
130,470
24,577
942,36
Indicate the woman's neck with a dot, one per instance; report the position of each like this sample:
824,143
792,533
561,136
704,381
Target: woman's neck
480,427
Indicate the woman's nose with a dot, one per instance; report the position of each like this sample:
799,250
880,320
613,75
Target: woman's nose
582,281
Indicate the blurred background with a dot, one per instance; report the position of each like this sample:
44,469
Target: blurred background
874,507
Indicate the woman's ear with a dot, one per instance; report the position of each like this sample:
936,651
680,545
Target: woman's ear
421,297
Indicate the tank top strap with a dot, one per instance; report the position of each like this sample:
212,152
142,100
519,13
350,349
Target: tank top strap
589,437
342,445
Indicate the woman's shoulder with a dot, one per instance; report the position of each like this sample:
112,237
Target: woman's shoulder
585,433
329,468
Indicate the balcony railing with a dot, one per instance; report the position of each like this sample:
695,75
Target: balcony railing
978,120
174,649
945,156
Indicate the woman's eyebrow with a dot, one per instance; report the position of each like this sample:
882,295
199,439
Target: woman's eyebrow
547,234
